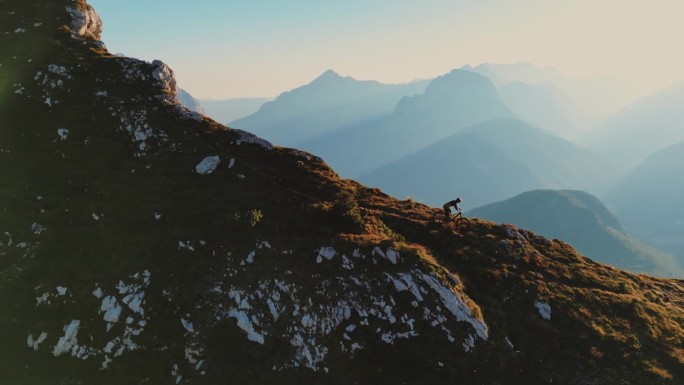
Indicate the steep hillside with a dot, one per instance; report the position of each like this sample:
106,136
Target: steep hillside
489,162
328,103
450,103
649,200
641,128
142,243
583,221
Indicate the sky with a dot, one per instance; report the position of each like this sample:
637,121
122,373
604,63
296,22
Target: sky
221,49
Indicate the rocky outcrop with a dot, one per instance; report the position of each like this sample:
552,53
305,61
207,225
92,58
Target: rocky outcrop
85,22
164,76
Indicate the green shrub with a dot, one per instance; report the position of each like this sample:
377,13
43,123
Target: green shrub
345,205
254,216
248,219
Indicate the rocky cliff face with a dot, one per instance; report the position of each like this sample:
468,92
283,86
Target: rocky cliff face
85,22
143,243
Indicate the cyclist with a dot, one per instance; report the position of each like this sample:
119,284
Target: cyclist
447,206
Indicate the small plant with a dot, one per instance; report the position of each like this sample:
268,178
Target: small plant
254,216
391,233
346,206
249,219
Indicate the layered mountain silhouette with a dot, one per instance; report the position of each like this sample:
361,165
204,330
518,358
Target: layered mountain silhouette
642,128
586,101
649,200
449,104
145,243
489,162
542,105
328,103
523,72
582,220
228,110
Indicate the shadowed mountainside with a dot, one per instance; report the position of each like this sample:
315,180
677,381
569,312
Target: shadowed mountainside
144,243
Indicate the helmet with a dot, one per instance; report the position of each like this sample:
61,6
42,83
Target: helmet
458,200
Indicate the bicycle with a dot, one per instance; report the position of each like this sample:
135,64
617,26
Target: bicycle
461,224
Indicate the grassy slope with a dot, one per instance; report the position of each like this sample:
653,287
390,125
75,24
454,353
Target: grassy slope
606,325
608,312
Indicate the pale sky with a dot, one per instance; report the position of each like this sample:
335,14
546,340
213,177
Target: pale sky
249,48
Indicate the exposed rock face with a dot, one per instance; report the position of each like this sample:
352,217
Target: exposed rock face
136,70
165,76
85,22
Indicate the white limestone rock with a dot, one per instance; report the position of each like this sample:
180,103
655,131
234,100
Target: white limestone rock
164,76
85,22
247,137
208,165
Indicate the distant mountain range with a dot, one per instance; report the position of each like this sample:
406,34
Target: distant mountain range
222,111
649,200
525,72
582,220
449,104
458,136
642,128
586,100
330,102
490,161
541,105
225,111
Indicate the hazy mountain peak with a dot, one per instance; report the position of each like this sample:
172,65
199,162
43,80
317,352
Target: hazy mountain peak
460,81
330,76
454,100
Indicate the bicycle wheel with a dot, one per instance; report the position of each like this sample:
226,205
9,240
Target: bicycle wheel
462,225
440,217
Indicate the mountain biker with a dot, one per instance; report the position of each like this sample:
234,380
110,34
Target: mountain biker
447,206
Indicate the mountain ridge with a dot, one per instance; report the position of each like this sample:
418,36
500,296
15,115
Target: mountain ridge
478,164
145,243
449,104
582,220
327,103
